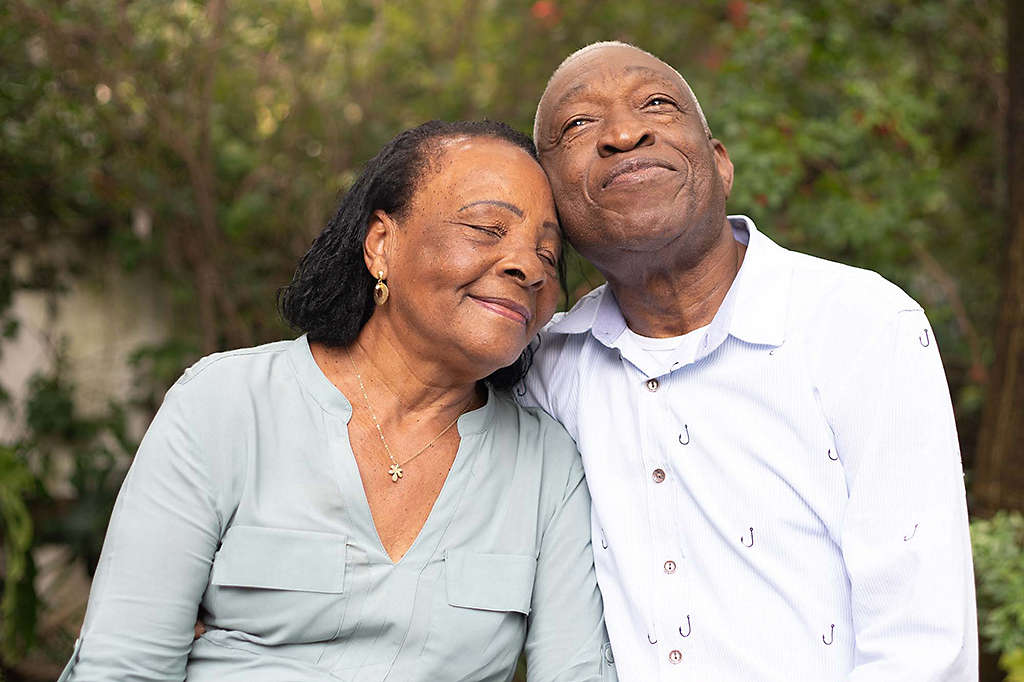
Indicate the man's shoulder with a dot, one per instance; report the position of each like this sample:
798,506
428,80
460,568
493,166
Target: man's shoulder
844,298
556,356
557,352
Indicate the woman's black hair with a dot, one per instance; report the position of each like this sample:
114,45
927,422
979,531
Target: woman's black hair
330,296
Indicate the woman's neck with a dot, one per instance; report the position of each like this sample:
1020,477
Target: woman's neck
399,384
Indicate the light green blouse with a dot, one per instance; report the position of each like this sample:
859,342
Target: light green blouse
245,500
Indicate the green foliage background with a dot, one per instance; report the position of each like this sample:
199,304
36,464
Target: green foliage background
999,565
206,144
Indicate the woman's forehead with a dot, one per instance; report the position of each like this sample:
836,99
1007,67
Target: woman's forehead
470,169
462,154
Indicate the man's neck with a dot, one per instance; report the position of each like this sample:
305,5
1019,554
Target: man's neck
671,297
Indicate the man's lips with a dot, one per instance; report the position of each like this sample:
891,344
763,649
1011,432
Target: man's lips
505,308
634,170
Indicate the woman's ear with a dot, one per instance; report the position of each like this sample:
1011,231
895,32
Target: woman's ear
380,235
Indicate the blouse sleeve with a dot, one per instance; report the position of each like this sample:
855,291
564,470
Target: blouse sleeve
566,639
156,557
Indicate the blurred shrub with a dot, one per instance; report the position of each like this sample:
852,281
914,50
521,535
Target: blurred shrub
19,605
999,570
98,450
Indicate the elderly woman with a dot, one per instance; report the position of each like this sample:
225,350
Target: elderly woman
367,502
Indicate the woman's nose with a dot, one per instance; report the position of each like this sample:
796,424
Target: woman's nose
525,266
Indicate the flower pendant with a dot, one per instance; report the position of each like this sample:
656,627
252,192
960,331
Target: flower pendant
395,472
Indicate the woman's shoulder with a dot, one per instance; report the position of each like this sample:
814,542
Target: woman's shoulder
532,420
542,440
234,364
225,387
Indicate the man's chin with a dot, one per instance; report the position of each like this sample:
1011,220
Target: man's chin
643,230
615,246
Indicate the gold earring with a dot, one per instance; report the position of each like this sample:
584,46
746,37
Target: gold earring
380,290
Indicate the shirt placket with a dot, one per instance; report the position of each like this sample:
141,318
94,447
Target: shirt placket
676,443
665,558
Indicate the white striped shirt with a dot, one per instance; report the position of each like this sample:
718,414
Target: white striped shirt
787,502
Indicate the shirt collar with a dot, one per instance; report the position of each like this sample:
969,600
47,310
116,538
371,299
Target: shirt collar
754,309
596,311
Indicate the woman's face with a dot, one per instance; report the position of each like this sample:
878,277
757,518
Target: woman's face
472,266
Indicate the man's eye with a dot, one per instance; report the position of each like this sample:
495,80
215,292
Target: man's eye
574,123
658,101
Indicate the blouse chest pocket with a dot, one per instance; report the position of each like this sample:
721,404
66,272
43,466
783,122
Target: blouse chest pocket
489,582
283,586
488,599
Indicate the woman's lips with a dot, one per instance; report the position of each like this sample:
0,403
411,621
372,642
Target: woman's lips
505,308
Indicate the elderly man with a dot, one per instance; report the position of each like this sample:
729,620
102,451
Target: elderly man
767,436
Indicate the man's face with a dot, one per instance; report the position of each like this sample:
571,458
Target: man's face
628,156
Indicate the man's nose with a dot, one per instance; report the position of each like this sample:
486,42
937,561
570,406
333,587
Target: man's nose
624,131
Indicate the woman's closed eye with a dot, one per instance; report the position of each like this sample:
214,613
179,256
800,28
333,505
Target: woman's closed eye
548,257
498,231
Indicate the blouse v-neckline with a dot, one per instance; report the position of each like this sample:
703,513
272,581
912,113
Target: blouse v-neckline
349,481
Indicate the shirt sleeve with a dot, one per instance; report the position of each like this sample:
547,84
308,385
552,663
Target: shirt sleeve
904,534
566,639
156,559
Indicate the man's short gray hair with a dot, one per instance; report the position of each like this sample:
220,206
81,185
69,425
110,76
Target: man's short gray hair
615,43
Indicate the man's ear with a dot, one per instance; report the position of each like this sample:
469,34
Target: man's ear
723,164
380,235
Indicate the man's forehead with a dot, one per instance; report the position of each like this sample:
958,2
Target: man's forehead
582,71
592,72
584,74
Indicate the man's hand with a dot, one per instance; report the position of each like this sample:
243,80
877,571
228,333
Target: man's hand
200,630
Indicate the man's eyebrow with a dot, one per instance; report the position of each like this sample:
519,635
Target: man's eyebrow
645,70
570,93
494,202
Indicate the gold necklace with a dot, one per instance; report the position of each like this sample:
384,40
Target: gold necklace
395,470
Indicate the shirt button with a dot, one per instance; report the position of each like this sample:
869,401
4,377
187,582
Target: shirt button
658,475
675,656
670,567
652,385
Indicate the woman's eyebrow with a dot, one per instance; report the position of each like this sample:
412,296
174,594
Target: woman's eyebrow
494,202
